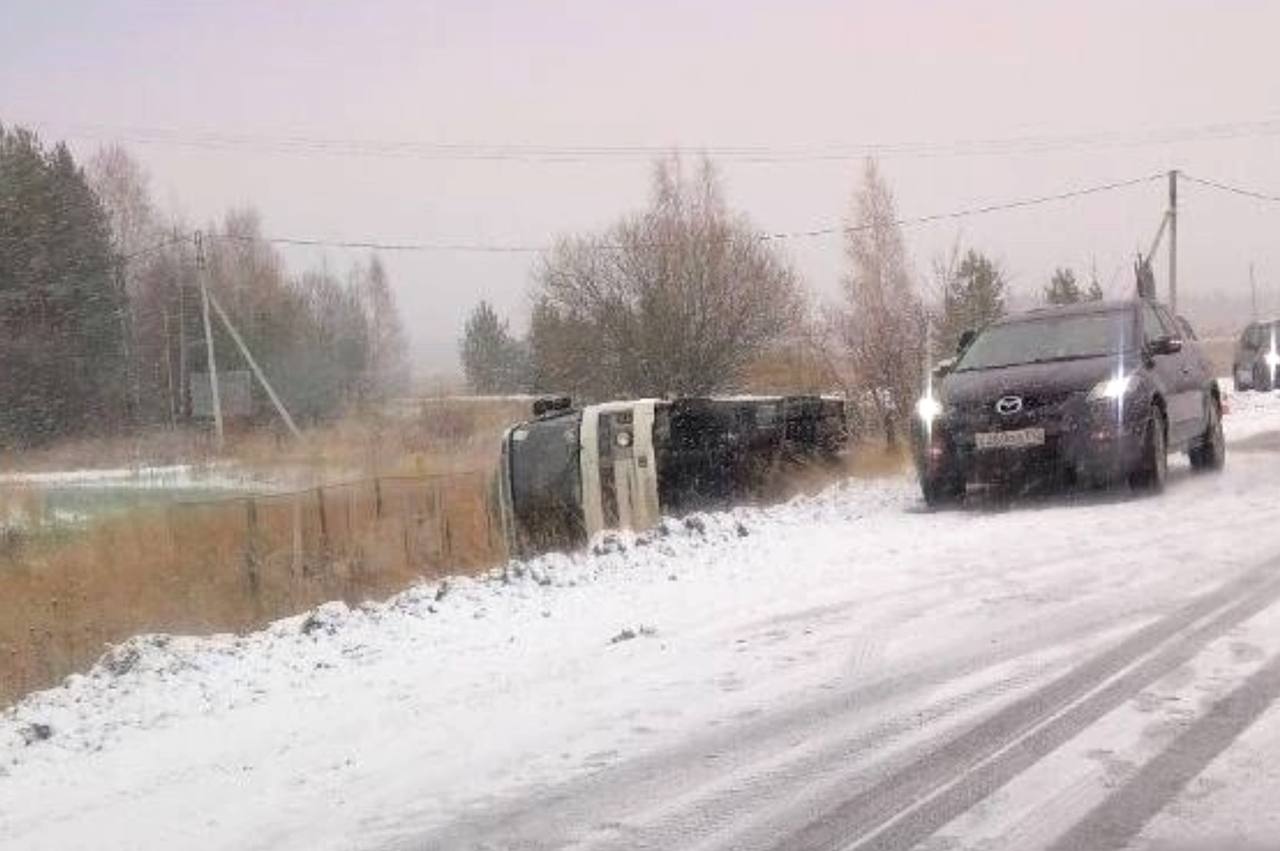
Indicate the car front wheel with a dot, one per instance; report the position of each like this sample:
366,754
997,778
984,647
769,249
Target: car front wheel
1153,467
1210,453
941,488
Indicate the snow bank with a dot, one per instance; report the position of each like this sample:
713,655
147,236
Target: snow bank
154,680
173,476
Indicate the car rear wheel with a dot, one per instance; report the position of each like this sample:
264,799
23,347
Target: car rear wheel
1153,468
1210,453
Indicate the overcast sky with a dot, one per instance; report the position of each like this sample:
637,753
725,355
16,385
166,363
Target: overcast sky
1136,88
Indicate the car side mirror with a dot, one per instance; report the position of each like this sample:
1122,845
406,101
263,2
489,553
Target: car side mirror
966,337
1166,345
944,366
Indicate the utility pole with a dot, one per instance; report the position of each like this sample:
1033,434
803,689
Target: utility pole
253,364
1253,294
168,364
183,410
202,272
1173,241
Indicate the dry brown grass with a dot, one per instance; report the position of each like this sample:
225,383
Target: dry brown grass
149,446
229,566
441,434
423,436
797,368
420,506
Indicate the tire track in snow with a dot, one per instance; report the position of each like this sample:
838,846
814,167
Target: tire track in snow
1119,819
914,803
631,792
560,815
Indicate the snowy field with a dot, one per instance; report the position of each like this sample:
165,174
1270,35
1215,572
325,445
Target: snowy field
735,680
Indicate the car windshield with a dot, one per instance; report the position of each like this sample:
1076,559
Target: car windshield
1047,339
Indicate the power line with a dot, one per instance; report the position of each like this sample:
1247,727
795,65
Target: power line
587,153
374,245
978,211
499,248
159,246
1236,190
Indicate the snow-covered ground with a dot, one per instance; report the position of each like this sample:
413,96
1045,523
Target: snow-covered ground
165,477
722,682
50,499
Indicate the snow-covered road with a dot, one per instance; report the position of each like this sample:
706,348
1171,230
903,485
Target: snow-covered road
846,671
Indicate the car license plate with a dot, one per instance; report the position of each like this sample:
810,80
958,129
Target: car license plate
1018,439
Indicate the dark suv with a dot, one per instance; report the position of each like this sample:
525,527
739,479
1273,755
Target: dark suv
1095,392
1257,360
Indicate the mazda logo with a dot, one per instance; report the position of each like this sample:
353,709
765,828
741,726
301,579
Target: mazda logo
1009,405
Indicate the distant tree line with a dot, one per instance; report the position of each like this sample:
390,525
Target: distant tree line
100,324
687,296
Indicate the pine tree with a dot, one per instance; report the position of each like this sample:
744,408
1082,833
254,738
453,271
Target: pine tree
973,295
61,308
1063,288
493,360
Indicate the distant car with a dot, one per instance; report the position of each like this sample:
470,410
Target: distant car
1096,392
1257,357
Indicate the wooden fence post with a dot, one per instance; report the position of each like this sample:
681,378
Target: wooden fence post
325,555
442,530
298,566
251,560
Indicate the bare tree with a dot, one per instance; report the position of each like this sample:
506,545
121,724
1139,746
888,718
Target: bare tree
388,346
885,323
121,184
677,299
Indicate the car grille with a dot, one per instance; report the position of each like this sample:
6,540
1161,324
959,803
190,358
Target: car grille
1040,408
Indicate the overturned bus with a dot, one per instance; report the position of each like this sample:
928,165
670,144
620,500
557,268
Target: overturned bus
570,473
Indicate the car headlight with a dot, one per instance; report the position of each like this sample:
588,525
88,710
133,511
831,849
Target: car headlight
928,409
1111,388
